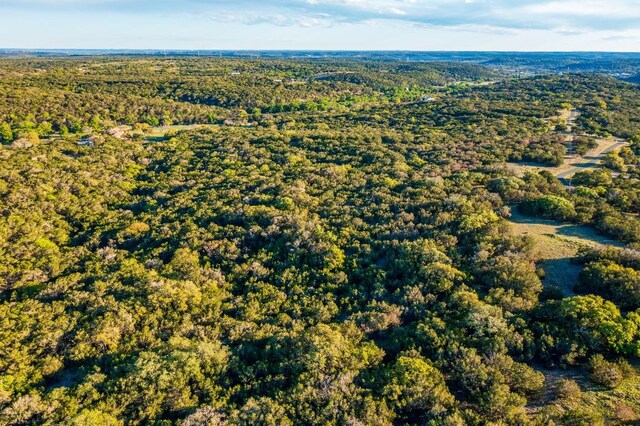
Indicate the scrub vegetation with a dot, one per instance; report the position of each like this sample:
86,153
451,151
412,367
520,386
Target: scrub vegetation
313,243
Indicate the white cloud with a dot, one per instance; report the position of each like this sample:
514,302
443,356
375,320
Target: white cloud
479,16
396,11
604,10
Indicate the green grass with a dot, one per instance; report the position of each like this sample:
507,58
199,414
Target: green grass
618,406
555,244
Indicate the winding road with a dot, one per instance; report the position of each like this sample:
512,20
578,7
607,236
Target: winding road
591,161
574,164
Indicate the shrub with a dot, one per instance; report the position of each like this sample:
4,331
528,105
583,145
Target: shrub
568,390
604,372
612,281
549,206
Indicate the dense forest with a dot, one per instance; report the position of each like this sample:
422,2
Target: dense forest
215,241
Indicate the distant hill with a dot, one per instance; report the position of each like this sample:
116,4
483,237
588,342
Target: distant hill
617,64
635,79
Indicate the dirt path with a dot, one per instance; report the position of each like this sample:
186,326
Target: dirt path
570,117
593,158
573,163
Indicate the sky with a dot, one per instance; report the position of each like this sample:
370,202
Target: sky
501,25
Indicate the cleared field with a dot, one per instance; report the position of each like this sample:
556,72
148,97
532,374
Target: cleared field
163,130
572,163
555,244
121,132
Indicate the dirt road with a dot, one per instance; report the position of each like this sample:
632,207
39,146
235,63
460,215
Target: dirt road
594,159
573,163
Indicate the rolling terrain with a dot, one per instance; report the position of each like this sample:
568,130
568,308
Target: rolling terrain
340,239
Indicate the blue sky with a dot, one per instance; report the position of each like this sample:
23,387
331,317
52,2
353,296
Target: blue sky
612,25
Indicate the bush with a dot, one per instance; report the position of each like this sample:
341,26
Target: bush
604,372
583,145
620,226
568,390
551,292
549,206
612,281
593,178
581,418
613,161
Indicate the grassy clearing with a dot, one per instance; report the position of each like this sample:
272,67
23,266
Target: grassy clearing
572,163
619,406
161,131
555,244
564,232
155,133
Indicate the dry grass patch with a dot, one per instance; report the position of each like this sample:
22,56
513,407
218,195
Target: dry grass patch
555,244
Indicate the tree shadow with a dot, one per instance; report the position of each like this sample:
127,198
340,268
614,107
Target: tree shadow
583,232
66,378
561,273
586,233
161,138
518,217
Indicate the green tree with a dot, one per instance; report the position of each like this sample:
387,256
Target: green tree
612,160
6,134
416,388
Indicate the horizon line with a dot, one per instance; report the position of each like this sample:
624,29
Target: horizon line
158,49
